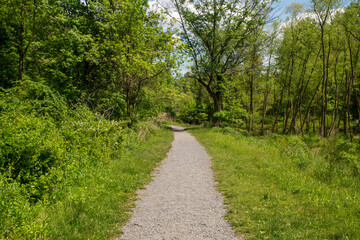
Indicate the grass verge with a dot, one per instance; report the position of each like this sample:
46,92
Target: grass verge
98,207
277,194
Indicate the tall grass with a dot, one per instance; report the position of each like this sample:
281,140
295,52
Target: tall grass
280,188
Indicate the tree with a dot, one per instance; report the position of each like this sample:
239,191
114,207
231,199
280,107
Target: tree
141,51
322,10
216,33
20,27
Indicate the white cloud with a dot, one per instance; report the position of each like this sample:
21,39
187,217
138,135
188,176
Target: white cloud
166,8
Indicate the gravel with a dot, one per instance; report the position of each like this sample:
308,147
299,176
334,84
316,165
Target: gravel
181,202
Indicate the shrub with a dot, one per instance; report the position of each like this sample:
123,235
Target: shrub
297,151
197,114
343,154
45,149
36,97
170,112
233,117
30,150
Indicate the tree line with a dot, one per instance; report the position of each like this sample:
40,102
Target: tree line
296,76
247,69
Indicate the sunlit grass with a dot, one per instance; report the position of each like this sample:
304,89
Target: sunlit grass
272,194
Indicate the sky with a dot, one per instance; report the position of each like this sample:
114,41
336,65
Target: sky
279,10
283,4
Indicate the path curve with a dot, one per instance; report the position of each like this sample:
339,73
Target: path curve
181,202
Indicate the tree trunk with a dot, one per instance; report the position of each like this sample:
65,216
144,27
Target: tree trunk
300,91
323,86
251,103
281,99
312,99
287,111
347,103
217,95
307,129
21,42
337,95
217,102
266,94
351,84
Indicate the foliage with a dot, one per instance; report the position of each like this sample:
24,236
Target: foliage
102,53
216,34
55,162
234,117
194,114
75,75
342,157
284,76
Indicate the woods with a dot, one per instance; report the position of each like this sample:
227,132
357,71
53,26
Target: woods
298,76
103,54
80,79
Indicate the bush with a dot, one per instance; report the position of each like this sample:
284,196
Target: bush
232,117
32,146
46,149
36,98
30,150
195,115
170,112
297,151
19,218
226,130
343,155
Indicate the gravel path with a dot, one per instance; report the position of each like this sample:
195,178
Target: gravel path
181,202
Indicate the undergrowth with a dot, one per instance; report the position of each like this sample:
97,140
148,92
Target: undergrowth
287,187
65,172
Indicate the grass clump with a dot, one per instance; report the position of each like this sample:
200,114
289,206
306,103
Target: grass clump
65,172
278,187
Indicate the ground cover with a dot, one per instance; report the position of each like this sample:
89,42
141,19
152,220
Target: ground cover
280,188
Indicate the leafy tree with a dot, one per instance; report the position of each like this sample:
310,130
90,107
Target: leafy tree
216,34
22,23
323,10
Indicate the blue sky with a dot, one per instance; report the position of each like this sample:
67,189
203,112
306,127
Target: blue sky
279,11
282,4
288,2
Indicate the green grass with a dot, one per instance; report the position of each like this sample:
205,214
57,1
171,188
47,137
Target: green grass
99,206
275,188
